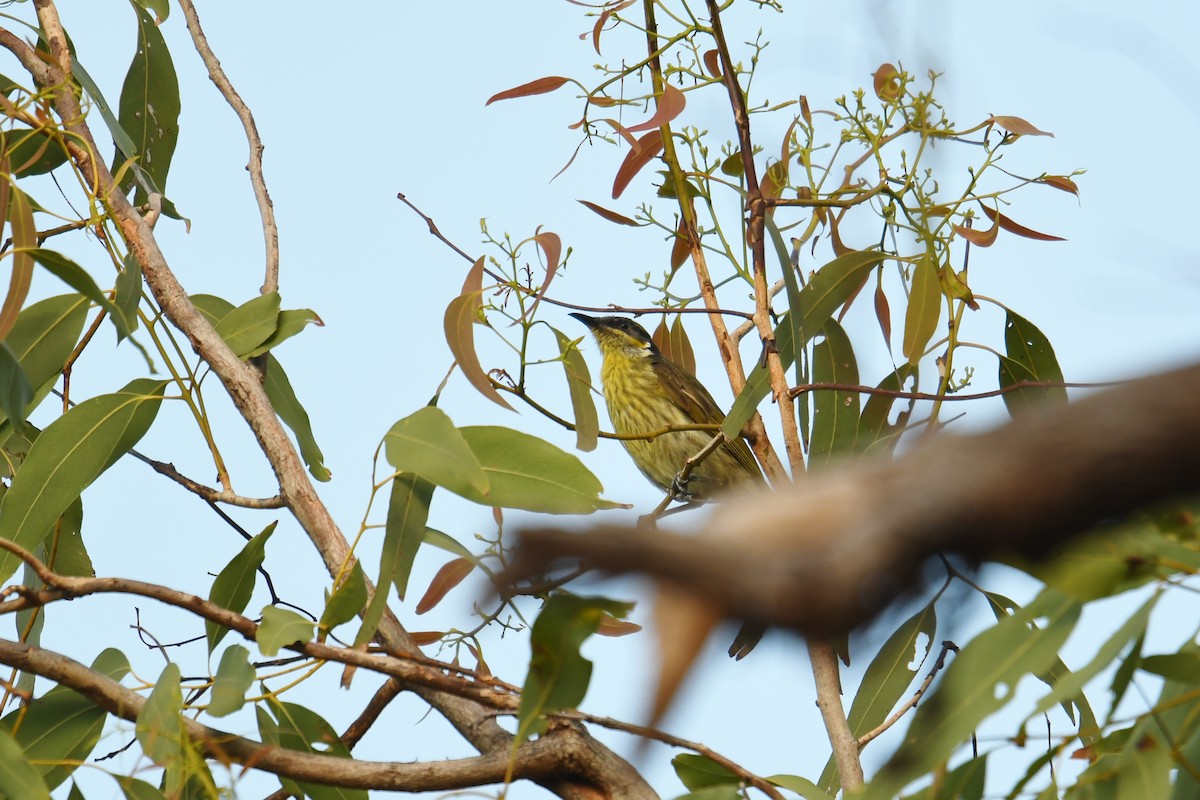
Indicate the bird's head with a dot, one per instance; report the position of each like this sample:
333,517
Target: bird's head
618,336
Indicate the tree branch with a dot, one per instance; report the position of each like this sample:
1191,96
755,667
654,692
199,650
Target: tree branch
826,557
542,759
266,208
611,775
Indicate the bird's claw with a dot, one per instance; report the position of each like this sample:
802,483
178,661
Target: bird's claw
679,489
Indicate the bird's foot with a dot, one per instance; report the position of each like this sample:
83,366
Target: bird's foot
679,489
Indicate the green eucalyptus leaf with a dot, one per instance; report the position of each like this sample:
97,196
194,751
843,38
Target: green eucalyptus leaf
829,287
427,444
558,674
235,675
234,584
835,413
149,108
280,628
68,455
250,324
529,473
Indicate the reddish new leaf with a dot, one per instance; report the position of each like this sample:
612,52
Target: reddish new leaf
647,148
883,313
423,638
604,15
680,248
674,345
458,325
24,239
551,247
611,216
1060,182
979,237
712,62
887,82
1018,126
539,86
839,248
611,626
1018,229
670,106
450,575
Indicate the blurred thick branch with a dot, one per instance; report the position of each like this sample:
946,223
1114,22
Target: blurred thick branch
828,555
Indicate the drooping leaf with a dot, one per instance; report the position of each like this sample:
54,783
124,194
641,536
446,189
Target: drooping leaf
648,146
980,237
924,310
279,391
78,279
234,584
280,628
558,675
451,574
1020,230
819,298
675,345
348,598
539,86
68,455
127,295
579,385
149,107
408,511
159,724
835,413
16,392
44,337
24,239
298,728
458,323
529,473
551,246
426,443
234,677
283,399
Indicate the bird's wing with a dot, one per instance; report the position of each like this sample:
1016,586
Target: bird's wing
687,393
690,395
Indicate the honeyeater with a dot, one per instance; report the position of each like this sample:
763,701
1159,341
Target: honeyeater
647,392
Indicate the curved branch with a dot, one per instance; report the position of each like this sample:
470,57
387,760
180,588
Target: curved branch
474,722
266,208
541,760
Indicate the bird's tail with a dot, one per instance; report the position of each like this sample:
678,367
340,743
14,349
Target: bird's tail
747,637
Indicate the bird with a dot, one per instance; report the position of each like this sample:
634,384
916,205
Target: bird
646,392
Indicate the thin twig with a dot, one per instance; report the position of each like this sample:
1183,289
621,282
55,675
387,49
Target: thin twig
796,391
911,703
608,309
266,209
657,735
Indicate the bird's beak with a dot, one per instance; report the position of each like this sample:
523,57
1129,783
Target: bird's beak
586,320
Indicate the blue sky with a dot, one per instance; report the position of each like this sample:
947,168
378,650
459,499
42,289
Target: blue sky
357,103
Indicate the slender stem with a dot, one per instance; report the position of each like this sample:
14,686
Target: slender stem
266,208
